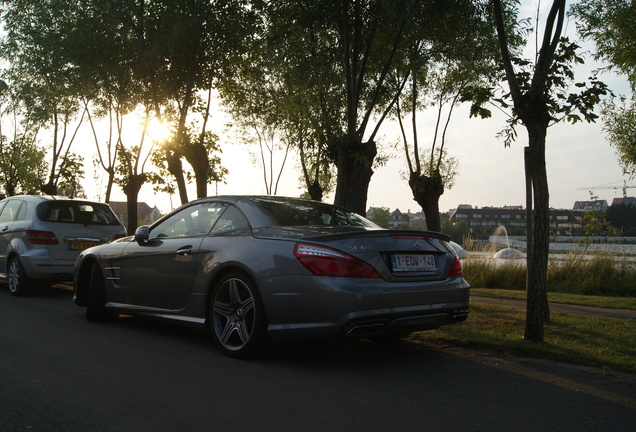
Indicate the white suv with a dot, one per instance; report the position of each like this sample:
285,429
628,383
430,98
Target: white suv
41,237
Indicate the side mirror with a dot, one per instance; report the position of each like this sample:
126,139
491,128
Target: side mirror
141,234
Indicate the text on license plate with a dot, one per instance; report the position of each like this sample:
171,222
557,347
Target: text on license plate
81,245
413,262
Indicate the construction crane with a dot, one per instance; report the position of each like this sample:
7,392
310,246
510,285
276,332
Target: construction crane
624,188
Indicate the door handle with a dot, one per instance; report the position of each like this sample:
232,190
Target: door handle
5,228
187,250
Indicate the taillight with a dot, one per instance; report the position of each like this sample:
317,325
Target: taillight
118,236
456,268
41,237
324,261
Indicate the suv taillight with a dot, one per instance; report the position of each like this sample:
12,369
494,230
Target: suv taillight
41,237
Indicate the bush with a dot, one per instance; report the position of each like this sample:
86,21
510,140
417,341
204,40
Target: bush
601,275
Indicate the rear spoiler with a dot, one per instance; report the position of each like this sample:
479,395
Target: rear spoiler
416,234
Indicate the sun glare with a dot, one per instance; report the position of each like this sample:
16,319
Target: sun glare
158,131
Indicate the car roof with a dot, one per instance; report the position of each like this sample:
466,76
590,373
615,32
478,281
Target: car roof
35,198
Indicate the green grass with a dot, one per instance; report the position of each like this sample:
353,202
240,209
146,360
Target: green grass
607,343
562,298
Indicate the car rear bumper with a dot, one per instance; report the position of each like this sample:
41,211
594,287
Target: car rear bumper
301,308
42,266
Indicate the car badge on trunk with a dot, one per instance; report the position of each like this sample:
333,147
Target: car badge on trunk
418,245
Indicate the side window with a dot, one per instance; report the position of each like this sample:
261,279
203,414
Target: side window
195,220
10,211
230,220
22,211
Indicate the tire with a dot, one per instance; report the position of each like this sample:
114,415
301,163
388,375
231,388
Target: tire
237,317
96,302
17,280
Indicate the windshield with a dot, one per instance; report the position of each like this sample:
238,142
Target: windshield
291,213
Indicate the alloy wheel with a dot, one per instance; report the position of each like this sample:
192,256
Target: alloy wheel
234,315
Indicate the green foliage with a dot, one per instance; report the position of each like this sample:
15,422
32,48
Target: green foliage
610,24
510,274
623,217
457,231
600,275
620,126
22,165
71,172
381,216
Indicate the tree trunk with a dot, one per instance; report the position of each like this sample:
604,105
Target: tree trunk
131,190
315,190
426,192
109,184
537,311
355,168
49,188
175,167
197,157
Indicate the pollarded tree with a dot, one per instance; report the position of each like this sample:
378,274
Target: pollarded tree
285,91
130,171
184,48
337,58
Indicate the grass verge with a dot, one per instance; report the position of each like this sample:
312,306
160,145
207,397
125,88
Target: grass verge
562,298
607,343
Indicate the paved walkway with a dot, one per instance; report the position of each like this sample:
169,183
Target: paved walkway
581,310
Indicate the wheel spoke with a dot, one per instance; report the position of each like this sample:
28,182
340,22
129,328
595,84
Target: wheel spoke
223,309
247,305
227,332
233,291
244,332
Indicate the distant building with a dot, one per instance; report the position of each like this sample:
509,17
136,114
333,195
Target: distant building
145,214
486,219
398,219
630,201
597,205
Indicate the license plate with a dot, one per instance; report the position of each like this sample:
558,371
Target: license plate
81,245
413,263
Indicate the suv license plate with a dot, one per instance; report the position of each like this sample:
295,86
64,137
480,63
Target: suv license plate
81,245
413,263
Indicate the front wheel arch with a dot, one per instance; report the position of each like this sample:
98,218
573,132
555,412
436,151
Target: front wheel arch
81,282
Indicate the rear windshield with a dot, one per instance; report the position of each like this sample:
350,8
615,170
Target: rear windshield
77,212
309,213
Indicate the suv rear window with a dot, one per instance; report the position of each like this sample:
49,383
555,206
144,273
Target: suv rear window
77,212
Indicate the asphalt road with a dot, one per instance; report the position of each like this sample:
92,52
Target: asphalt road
58,372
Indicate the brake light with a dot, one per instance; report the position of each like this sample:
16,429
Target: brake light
324,261
411,237
456,268
41,237
118,236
